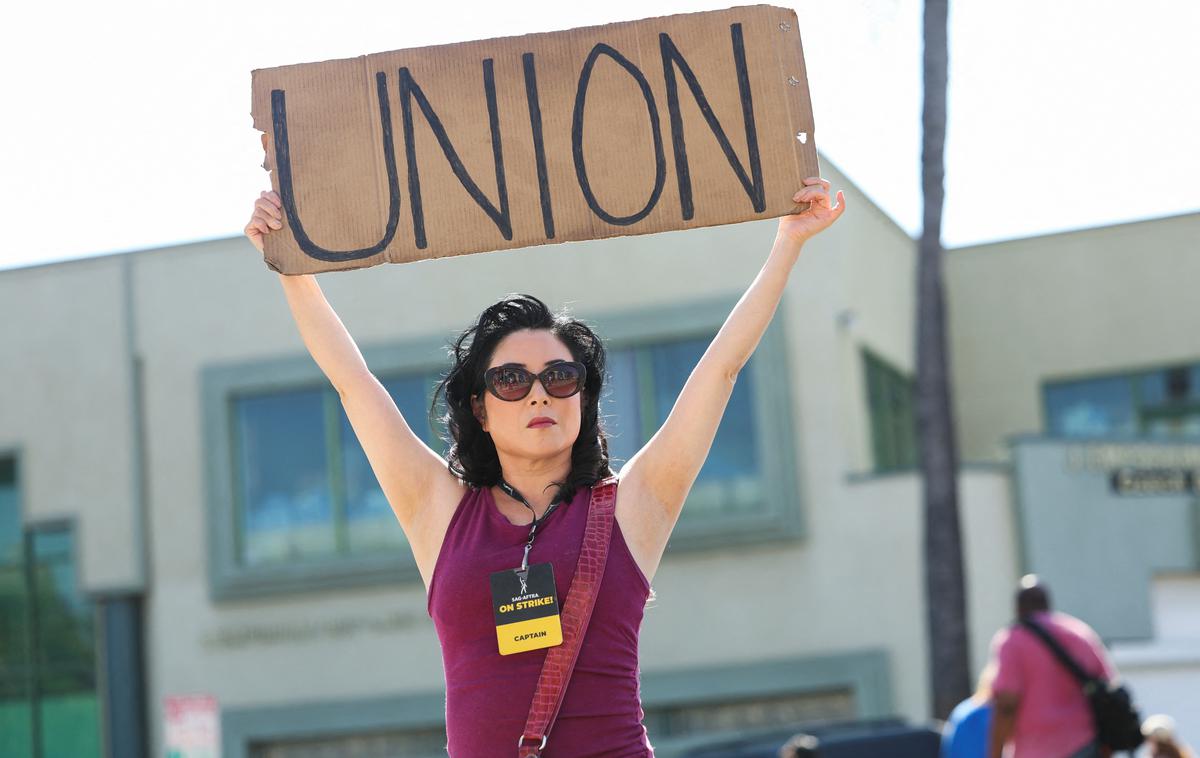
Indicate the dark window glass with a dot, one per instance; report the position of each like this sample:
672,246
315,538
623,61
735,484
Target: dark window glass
1162,388
370,523
730,480
284,489
1178,384
10,515
890,402
1092,408
619,407
1158,404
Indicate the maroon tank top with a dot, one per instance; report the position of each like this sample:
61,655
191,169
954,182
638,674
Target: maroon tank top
487,694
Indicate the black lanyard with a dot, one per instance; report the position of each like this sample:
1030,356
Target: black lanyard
512,492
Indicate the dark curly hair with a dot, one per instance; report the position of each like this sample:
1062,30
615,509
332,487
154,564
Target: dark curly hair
472,454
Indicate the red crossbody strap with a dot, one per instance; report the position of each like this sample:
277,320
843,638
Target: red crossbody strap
577,611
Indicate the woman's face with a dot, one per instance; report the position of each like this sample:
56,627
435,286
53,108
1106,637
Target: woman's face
509,422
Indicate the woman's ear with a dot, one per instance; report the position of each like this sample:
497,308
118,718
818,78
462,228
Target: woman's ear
480,411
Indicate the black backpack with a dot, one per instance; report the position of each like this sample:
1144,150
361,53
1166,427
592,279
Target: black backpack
1118,724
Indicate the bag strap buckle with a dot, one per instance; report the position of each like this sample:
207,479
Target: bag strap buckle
537,750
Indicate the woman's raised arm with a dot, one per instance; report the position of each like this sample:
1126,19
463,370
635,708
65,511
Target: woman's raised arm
408,471
660,475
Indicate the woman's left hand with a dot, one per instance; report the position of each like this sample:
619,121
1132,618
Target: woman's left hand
821,212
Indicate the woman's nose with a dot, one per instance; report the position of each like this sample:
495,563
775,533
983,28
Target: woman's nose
538,392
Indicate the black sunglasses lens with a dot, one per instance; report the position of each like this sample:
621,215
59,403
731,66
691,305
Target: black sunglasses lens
511,383
561,380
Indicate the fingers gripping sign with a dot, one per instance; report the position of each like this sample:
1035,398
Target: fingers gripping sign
266,218
819,215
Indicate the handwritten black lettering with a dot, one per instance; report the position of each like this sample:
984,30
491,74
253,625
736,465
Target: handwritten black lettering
660,160
753,184
283,164
409,91
539,147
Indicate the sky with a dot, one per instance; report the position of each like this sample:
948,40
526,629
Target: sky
127,123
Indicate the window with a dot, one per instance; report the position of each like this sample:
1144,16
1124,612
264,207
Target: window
1158,404
748,488
305,490
293,502
48,702
646,380
890,405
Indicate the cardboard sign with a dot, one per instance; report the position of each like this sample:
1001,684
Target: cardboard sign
631,128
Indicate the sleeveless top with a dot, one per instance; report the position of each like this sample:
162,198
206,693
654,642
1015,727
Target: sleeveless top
487,694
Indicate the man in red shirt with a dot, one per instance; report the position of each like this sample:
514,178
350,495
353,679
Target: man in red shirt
1040,708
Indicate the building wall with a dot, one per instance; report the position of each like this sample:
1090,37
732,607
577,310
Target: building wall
67,410
875,557
1060,306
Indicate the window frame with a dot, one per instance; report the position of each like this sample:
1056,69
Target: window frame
221,384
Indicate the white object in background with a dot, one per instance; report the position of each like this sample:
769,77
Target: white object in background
193,726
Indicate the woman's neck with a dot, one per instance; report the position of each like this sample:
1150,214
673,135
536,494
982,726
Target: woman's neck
536,480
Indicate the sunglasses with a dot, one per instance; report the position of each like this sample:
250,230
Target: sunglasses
510,383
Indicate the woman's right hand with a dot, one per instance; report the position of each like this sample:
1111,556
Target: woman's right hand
267,218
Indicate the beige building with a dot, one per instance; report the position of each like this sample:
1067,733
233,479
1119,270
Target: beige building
180,497
1076,361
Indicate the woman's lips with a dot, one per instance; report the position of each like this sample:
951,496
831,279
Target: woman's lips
541,422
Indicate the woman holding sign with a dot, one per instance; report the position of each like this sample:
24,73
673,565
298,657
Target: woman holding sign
537,564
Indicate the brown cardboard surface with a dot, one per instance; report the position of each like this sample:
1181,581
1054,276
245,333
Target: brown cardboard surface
517,141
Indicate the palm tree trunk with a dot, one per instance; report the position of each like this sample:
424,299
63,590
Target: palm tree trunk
944,586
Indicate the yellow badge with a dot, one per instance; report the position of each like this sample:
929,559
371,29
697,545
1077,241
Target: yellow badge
525,605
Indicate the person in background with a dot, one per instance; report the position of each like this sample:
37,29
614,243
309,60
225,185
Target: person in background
1162,741
1038,707
965,734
